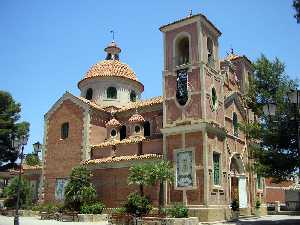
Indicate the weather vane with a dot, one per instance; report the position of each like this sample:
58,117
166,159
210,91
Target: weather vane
113,35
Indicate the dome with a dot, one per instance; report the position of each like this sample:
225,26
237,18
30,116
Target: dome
111,68
136,118
113,123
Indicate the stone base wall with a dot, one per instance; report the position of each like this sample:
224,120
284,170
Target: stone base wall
92,217
245,211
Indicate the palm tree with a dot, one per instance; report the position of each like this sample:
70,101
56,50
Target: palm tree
151,174
161,172
138,175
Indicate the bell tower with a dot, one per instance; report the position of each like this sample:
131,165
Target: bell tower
193,106
190,48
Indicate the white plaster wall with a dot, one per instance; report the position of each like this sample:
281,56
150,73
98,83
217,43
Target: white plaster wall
100,85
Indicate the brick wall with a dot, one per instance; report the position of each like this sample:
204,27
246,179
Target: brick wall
112,187
62,155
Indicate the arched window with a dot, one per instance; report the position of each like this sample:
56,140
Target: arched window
122,132
235,124
111,93
182,51
147,129
210,52
64,130
89,94
137,129
181,87
214,99
133,96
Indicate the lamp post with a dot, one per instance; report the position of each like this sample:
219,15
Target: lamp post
17,144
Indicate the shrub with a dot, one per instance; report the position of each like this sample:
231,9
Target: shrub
257,204
79,190
137,205
32,159
235,205
178,211
120,210
95,208
10,192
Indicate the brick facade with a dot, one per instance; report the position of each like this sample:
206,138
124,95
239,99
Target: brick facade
203,127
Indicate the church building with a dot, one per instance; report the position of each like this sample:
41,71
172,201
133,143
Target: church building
194,125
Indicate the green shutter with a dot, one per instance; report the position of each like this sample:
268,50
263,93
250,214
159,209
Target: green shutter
216,161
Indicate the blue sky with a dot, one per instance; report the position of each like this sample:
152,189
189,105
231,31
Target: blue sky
47,46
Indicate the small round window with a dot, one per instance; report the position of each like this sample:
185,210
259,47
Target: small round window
214,99
113,132
137,129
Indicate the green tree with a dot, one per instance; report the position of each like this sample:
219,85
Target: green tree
161,172
79,190
139,175
10,192
296,5
32,159
151,174
273,138
10,128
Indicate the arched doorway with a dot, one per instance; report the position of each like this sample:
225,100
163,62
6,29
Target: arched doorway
238,184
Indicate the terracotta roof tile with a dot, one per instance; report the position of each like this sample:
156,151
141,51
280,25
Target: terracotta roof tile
28,167
142,103
232,56
113,123
112,142
136,118
121,158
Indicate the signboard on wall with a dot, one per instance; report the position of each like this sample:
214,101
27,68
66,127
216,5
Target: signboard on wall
185,175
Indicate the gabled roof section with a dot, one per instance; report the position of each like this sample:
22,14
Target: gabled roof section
235,97
80,101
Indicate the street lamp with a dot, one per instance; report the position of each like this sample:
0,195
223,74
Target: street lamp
37,147
17,144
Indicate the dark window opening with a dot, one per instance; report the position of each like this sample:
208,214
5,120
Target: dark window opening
210,52
235,124
214,98
112,93
147,129
137,129
122,132
113,132
216,162
64,130
182,50
181,87
132,96
89,94
258,182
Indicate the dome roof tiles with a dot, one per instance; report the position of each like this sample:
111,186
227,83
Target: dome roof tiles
113,123
111,68
136,118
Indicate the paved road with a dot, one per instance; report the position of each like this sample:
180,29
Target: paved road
278,220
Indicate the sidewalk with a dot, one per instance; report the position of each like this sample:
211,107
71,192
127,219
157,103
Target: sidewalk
4,220
266,220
